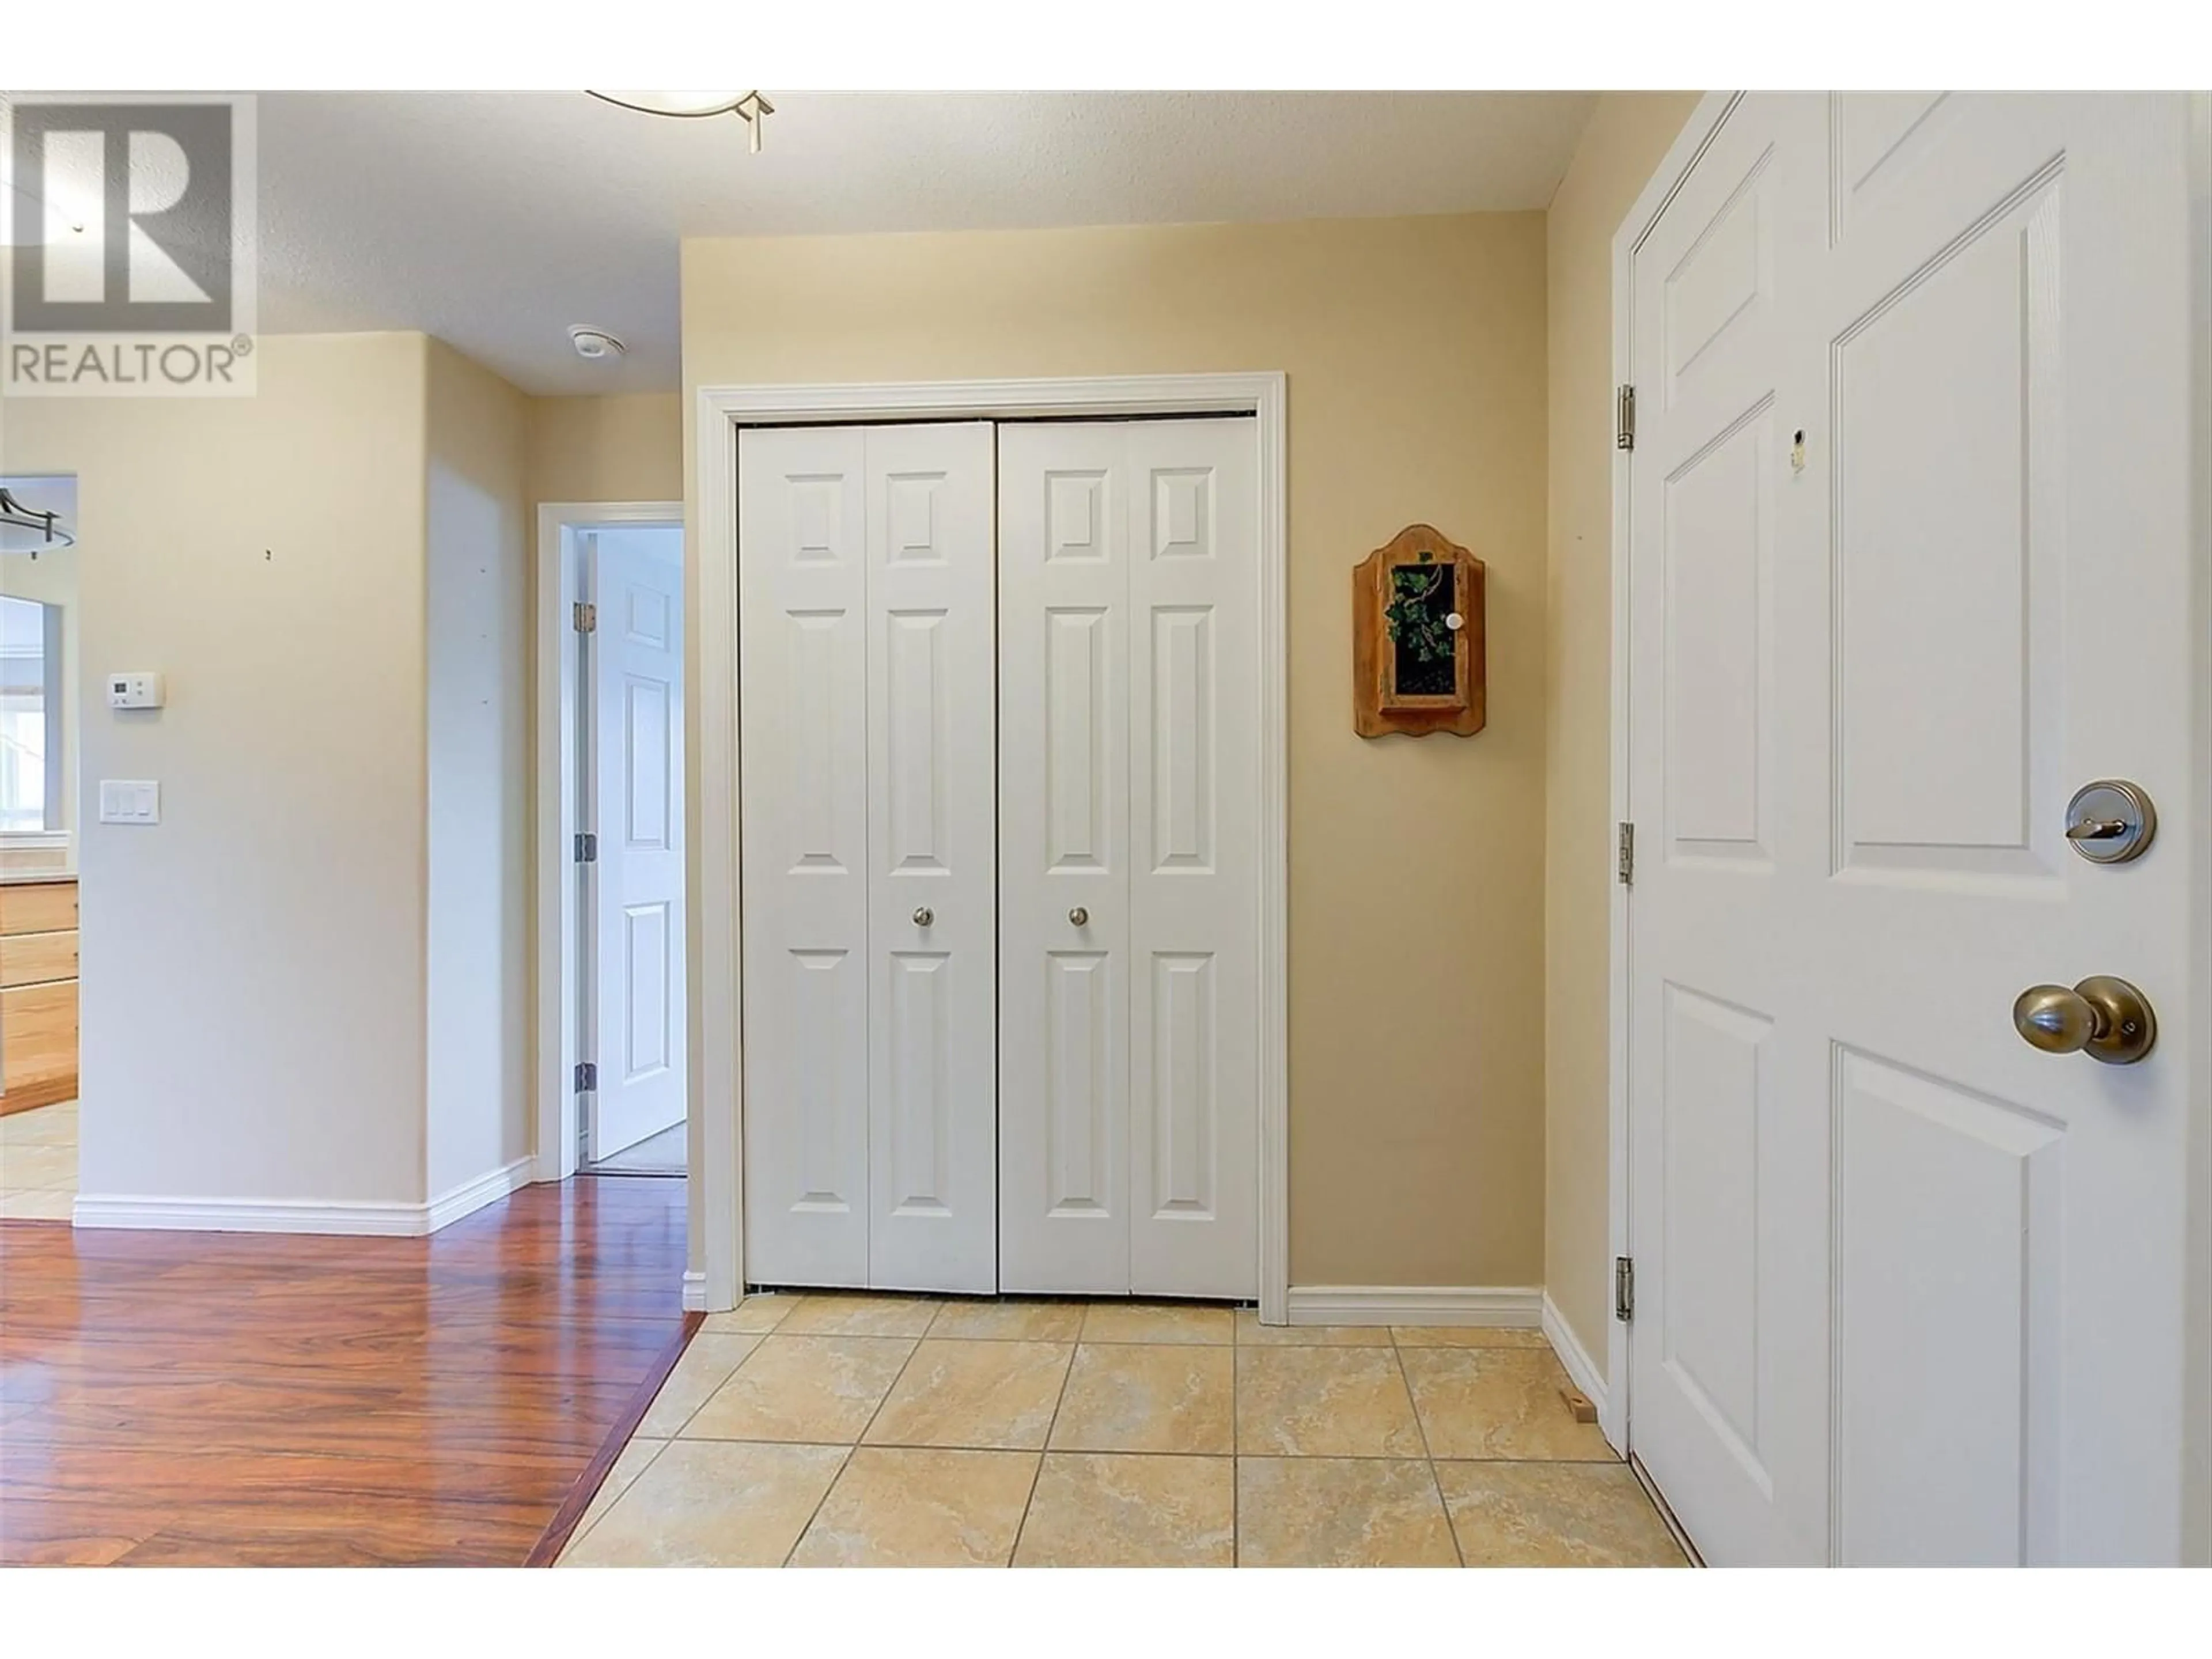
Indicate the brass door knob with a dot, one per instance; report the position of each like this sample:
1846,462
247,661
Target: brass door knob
2106,1019
1079,917
924,916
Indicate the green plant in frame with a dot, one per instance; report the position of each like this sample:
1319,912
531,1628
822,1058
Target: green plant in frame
1417,625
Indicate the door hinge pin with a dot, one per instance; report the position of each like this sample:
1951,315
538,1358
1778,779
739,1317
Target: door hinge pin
1626,863
1624,421
587,848
1624,1288
587,616
588,1077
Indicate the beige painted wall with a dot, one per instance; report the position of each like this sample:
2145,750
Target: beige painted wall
479,969
1415,351
330,574
1628,134
251,1000
626,448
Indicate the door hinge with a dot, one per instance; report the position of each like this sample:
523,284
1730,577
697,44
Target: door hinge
587,617
1624,1288
1624,417
588,1077
587,848
1625,863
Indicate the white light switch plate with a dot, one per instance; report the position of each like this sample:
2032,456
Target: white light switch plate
129,800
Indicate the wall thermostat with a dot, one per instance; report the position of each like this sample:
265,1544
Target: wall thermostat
134,690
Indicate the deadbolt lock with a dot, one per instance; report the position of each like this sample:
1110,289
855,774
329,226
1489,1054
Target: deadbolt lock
2110,820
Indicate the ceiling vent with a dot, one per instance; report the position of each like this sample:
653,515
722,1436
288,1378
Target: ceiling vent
593,344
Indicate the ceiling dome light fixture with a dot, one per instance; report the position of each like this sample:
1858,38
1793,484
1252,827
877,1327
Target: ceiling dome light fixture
748,107
593,344
23,530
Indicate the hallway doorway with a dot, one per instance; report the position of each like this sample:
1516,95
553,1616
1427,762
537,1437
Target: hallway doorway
613,919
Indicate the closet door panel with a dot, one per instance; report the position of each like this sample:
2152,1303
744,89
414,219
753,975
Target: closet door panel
803,759
1193,788
932,883
1063,827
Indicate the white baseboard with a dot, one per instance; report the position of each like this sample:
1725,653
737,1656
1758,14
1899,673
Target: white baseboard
246,1215
1581,1369
470,1196
695,1291
1517,1305
264,1215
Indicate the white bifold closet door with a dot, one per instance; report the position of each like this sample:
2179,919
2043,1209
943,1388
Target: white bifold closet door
867,754
1128,679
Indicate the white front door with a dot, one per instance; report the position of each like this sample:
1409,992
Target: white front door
1129,835
635,688
868,756
1910,562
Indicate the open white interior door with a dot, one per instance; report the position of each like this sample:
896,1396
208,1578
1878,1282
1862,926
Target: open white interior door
635,675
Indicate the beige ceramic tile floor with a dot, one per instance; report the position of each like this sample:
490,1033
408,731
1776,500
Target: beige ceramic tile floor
882,1430
38,1163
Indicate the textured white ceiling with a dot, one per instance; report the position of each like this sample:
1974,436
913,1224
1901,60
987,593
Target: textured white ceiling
496,219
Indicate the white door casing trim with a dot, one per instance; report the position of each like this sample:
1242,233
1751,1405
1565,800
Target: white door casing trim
716,991
1612,1396
559,900
2196,1515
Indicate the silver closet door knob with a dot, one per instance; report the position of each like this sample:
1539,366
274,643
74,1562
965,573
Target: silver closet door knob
1079,917
923,916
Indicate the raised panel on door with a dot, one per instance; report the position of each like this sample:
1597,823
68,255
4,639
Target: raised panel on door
1063,835
1718,693
1951,551
803,622
1947,1256
932,884
1713,301
1193,788
1717,1094
1878,140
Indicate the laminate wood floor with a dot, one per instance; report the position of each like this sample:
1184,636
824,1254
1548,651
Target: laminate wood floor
207,1398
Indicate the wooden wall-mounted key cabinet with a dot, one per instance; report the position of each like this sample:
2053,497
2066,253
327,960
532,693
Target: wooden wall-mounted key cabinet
1417,637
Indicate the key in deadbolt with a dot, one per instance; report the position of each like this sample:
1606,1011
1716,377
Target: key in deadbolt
2110,820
